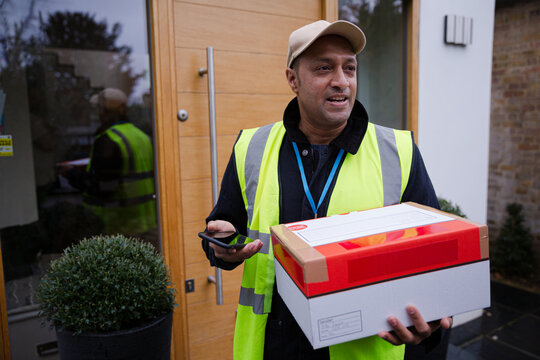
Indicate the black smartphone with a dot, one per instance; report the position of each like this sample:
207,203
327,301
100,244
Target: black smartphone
215,236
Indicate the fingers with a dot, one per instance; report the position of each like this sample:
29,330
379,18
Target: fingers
234,255
251,249
421,327
446,323
221,252
390,337
419,331
401,334
220,225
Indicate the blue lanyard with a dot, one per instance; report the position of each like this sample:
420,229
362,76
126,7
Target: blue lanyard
304,181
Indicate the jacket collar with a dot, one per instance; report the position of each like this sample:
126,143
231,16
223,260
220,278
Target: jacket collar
349,139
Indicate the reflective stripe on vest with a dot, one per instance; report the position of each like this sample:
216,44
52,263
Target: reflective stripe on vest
253,162
254,157
264,237
129,149
384,155
391,174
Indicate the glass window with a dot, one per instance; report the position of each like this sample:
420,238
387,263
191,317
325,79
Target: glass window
381,75
75,104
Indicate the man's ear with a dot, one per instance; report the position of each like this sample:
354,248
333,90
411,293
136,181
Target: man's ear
292,79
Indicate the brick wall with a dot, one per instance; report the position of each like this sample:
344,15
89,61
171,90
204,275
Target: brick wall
514,164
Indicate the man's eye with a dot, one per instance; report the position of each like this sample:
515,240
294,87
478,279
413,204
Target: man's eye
323,67
351,68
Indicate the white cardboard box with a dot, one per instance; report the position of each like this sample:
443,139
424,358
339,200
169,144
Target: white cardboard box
339,317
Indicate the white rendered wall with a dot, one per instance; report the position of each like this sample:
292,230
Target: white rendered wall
454,103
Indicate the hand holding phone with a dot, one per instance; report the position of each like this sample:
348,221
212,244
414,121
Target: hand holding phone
223,239
230,254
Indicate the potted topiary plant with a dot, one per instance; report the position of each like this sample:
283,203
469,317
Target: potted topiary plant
109,297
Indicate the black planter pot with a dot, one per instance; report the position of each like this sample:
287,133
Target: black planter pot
148,342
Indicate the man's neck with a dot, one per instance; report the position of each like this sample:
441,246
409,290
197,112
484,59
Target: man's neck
320,136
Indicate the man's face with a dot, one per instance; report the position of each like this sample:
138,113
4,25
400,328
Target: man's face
324,80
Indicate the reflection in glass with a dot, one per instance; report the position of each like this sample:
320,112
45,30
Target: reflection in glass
76,81
381,65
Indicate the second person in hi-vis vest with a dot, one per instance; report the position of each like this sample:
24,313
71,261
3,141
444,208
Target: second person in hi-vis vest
118,182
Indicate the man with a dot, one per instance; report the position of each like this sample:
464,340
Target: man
118,184
323,159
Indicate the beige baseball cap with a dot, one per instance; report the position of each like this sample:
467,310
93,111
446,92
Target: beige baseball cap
303,37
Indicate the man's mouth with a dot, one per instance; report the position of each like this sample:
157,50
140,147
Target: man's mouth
337,99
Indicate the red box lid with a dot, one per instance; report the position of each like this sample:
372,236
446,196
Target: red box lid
365,260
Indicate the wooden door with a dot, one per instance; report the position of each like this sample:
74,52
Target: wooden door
250,48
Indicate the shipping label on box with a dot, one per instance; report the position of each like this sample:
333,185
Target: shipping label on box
343,275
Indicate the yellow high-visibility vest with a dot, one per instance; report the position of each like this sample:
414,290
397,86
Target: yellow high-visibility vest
375,176
129,207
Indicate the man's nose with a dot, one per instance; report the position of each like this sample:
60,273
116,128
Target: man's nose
339,79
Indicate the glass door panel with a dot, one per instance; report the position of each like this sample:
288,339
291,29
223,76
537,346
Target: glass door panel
381,75
76,131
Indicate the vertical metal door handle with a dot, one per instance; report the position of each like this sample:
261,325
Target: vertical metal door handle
213,153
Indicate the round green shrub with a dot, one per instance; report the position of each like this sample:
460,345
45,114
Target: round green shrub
106,283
